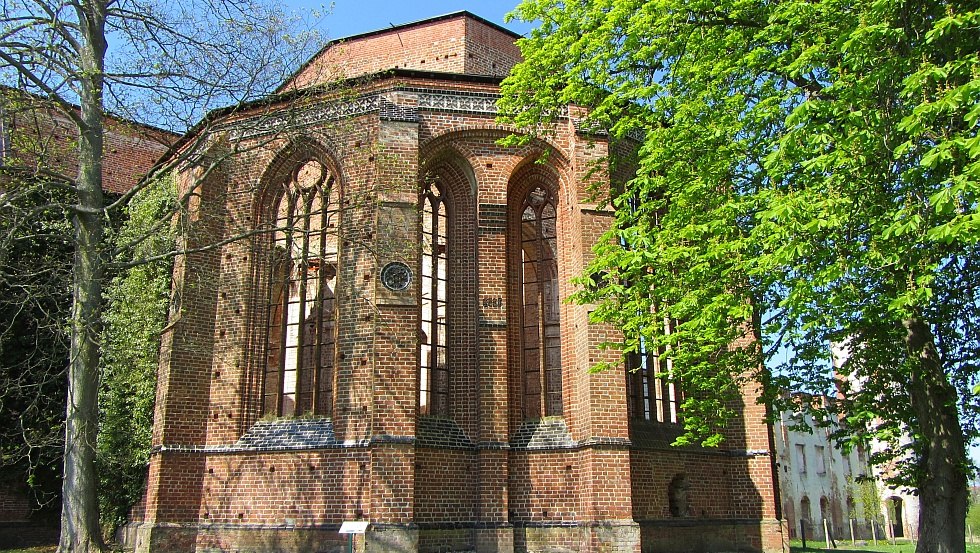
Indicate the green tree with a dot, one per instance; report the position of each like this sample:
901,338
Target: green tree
973,519
34,300
136,312
167,62
809,167
870,498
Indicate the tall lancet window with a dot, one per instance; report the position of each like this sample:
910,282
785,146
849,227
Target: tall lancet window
433,338
541,337
301,329
652,395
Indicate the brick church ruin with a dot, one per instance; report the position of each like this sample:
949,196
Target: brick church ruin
390,340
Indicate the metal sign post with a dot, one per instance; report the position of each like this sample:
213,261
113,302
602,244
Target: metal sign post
351,527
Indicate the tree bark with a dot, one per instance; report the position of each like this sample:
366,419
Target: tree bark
942,478
80,529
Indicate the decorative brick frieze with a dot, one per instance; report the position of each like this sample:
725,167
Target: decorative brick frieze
459,102
390,111
432,420
318,114
587,128
307,116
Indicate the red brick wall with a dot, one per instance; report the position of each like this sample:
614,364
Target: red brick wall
174,487
709,474
450,45
489,51
130,152
40,136
445,486
545,486
286,488
595,484
15,503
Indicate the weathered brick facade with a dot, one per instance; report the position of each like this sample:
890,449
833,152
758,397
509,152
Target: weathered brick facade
511,444
34,135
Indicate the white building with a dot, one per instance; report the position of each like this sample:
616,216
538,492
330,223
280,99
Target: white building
899,505
822,487
818,482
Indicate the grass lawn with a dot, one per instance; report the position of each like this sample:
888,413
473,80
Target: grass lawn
844,546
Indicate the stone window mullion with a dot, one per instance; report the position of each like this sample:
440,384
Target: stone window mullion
435,301
299,329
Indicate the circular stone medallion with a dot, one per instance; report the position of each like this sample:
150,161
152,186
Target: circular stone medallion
396,276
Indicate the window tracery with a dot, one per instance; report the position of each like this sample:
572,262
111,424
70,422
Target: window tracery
541,330
301,325
653,396
651,393
434,334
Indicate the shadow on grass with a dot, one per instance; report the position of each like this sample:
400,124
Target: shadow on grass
860,547
906,547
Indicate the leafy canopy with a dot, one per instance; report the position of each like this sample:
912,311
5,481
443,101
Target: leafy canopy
136,300
812,167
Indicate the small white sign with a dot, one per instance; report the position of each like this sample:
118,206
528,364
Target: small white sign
354,527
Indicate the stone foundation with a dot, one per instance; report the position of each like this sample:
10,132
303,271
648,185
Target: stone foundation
614,537
492,540
711,536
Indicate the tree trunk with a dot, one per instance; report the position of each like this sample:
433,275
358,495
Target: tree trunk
942,480
80,530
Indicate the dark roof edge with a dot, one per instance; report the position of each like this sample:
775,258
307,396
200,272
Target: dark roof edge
452,15
443,17
116,118
276,98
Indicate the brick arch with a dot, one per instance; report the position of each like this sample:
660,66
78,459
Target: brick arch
789,512
806,516
529,176
453,161
291,157
529,167
455,138
458,183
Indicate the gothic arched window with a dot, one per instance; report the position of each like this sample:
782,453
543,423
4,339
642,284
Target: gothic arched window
301,326
652,395
541,330
433,338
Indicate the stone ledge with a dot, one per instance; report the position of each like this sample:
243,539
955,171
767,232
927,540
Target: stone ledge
439,432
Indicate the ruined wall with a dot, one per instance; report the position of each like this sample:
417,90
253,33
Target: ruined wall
36,135
483,475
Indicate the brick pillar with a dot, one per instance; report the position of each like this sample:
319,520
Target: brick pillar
493,379
602,419
394,327
175,478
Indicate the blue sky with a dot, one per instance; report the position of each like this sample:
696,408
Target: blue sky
347,17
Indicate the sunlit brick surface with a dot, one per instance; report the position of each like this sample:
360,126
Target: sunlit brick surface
488,473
